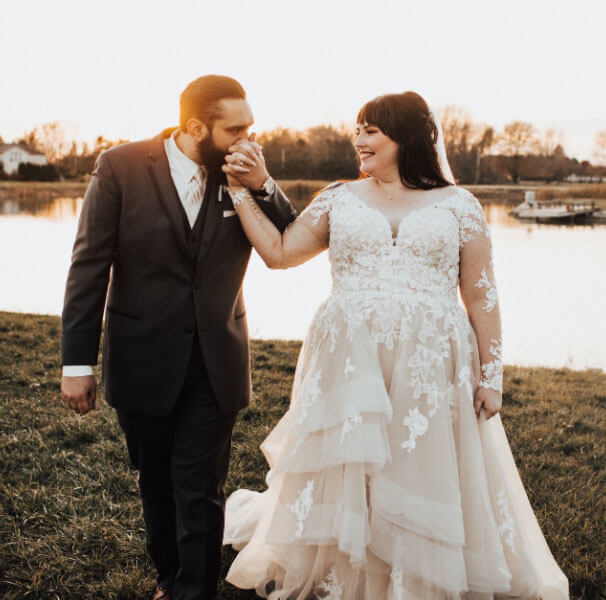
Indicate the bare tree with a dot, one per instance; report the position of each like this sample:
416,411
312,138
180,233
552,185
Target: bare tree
30,138
518,138
466,142
49,138
457,127
53,140
549,141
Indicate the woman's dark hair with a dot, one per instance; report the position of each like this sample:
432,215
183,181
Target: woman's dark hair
407,120
199,100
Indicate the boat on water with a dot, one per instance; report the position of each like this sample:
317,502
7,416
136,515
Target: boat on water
554,211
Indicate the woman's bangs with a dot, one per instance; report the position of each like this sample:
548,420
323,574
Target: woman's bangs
370,114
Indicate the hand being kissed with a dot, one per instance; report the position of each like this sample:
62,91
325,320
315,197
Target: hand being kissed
245,165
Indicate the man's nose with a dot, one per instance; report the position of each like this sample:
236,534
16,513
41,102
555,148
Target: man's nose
242,137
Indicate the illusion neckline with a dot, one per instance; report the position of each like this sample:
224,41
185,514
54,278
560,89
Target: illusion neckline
394,238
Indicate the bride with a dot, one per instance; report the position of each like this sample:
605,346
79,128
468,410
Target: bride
390,475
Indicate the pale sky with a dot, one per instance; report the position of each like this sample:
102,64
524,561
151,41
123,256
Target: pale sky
117,67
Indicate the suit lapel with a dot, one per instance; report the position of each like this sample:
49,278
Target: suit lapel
167,193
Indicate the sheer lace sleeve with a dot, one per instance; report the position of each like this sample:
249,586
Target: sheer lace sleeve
478,288
305,237
316,215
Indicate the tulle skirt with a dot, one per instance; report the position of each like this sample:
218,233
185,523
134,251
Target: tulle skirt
383,484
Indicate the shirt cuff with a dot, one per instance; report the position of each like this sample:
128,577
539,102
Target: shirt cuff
77,370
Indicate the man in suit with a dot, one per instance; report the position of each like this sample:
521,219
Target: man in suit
158,228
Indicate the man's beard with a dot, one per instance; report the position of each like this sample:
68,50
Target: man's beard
211,157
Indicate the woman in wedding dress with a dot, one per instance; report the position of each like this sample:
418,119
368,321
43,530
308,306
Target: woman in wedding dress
391,476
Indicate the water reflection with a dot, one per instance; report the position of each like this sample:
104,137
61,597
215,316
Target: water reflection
550,279
62,207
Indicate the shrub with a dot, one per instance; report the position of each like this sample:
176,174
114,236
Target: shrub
31,172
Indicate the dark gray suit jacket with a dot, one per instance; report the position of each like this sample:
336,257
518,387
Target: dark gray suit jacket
163,284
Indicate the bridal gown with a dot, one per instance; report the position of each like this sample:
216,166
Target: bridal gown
383,484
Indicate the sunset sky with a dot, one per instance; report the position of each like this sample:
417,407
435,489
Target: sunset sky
117,67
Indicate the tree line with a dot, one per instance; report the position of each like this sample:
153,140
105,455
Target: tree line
67,159
478,153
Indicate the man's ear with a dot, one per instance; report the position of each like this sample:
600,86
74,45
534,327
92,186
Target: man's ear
197,129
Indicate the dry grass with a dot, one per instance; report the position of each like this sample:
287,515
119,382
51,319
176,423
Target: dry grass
41,189
70,518
593,191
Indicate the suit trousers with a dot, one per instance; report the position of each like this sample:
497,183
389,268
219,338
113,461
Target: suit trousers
182,459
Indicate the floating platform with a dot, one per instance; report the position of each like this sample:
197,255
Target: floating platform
556,211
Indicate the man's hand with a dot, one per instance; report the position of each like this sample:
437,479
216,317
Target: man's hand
245,162
79,393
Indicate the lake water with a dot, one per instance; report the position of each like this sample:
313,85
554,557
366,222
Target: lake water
551,282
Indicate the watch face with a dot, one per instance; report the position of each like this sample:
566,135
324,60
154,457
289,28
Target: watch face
269,186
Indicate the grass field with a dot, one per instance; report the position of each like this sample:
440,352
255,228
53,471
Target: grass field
70,517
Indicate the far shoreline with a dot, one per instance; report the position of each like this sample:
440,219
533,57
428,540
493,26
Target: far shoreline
300,191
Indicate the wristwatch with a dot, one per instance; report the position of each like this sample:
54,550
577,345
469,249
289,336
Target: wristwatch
267,189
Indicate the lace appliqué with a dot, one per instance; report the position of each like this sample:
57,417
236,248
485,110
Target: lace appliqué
417,424
332,586
349,368
472,220
451,400
491,291
379,281
397,288
302,506
492,372
350,424
507,526
298,444
424,364
321,204
397,585
309,395
465,380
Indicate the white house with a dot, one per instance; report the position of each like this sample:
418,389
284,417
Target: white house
13,154
574,178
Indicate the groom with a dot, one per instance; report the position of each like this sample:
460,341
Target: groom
158,229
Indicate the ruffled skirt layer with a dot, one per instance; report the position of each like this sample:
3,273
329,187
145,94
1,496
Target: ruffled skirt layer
383,484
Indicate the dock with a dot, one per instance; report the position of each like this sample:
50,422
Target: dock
557,211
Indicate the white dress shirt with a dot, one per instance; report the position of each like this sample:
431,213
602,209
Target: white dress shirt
190,180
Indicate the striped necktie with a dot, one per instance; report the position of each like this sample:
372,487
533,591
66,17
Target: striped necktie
194,196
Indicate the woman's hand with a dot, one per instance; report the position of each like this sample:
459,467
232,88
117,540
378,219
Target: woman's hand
232,181
490,400
245,161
